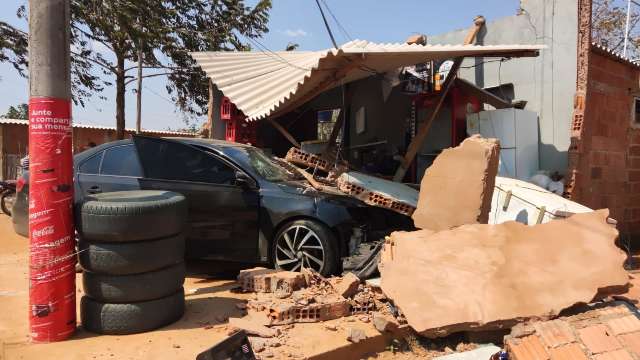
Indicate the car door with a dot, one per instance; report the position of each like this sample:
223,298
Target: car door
116,168
223,216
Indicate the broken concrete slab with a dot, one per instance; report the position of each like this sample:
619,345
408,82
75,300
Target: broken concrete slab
379,192
481,277
253,327
480,353
457,188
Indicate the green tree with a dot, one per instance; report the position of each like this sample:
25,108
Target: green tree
166,31
19,112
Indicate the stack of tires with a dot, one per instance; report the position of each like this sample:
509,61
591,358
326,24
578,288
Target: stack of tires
131,248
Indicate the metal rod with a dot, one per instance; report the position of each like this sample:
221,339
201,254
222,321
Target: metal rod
626,29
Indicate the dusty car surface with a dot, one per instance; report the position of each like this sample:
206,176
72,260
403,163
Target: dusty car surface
243,206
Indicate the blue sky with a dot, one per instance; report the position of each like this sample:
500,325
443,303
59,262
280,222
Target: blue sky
295,21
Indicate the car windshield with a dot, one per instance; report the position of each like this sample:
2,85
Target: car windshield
267,167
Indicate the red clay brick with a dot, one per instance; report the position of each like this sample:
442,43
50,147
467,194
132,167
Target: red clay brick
598,339
634,150
634,163
632,342
634,175
568,352
624,324
527,348
615,355
554,333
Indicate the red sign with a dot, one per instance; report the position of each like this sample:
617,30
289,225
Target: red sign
52,296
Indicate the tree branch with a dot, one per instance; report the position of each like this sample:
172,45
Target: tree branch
146,76
97,62
92,37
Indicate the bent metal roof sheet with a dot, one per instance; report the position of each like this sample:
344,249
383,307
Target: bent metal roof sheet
262,83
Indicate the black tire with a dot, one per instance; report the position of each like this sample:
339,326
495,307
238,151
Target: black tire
327,239
132,216
122,319
131,258
133,288
6,201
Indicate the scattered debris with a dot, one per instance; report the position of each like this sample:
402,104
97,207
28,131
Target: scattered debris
270,281
384,323
356,335
457,188
608,331
252,327
346,286
484,277
379,192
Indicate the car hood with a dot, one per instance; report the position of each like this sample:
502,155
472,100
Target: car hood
302,187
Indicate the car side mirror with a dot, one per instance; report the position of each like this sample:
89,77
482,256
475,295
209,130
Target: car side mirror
243,180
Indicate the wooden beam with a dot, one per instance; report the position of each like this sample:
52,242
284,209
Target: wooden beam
482,94
284,132
210,109
418,140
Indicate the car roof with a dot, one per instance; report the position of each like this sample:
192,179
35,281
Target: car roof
212,143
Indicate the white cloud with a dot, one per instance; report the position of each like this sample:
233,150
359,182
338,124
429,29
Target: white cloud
295,33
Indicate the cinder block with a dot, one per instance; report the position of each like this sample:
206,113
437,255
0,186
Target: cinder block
270,280
288,313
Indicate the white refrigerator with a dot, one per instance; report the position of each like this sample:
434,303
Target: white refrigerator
517,131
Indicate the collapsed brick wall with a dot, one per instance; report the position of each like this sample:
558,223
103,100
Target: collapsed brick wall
608,159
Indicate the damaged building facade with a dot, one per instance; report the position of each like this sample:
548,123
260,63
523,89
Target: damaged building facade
530,111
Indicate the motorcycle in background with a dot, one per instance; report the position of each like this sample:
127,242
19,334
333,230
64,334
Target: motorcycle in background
7,195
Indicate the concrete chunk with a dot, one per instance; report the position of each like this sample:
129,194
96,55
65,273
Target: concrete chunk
457,188
253,327
479,277
346,286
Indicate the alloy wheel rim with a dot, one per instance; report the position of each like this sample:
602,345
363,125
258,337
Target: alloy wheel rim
299,247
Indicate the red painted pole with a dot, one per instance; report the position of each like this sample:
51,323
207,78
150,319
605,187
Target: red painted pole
52,304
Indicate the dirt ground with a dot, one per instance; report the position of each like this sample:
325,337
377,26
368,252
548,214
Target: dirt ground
209,303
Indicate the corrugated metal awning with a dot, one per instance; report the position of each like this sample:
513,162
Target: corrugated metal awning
261,84
101,127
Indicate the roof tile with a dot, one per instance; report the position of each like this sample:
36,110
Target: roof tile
598,339
527,348
568,352
615,355
632,342
624,324
554,333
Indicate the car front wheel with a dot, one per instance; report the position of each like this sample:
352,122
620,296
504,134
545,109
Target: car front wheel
306,244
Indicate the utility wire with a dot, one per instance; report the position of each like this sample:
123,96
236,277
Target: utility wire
344,31
326,24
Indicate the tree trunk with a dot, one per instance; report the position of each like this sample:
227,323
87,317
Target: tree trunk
120,92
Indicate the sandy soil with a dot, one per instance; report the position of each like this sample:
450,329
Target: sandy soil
209,304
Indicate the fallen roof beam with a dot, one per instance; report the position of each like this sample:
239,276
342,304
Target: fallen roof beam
482,94
284,132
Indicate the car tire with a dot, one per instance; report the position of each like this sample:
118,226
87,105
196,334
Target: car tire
130,258
132,216
133,288
122,319
325,238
